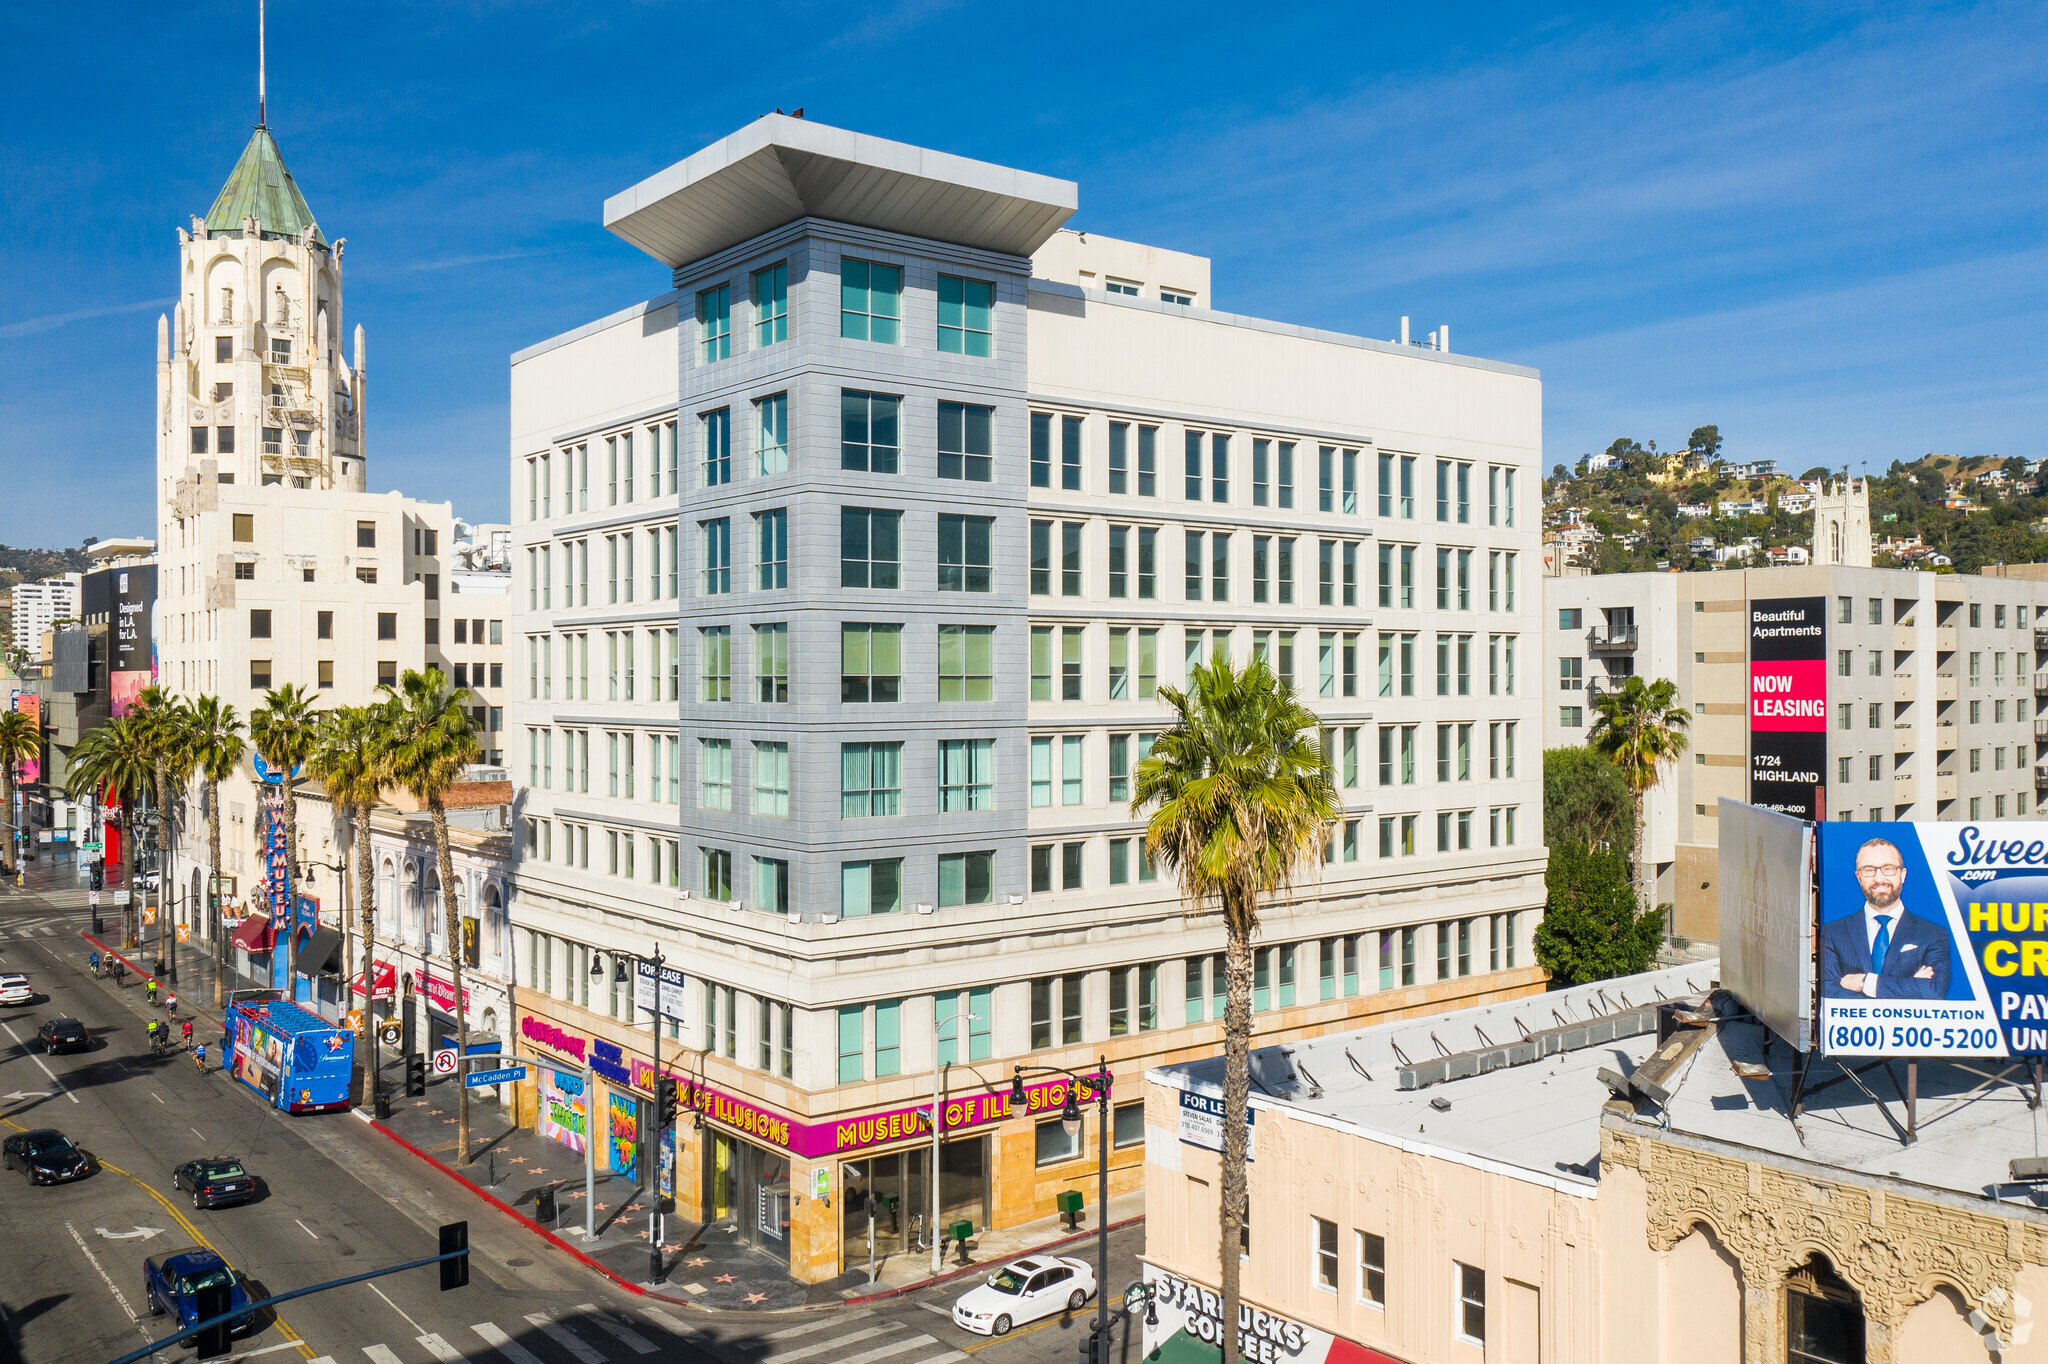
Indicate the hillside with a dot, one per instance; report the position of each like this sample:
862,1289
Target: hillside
1971,510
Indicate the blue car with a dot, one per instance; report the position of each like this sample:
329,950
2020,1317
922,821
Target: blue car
171,1283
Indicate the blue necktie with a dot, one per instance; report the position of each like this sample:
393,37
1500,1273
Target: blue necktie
1881,944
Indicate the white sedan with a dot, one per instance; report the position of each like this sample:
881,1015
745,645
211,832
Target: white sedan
1025,1291
15,989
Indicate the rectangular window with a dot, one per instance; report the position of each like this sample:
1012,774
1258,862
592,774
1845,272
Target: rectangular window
870,301
1119,456
714,324
966,878
1041,771
1041,449
714,661
967,662
771,555
1471,1288
1219,467
966,315
717,540
1326,478
714,774
715,429
966,775
771,663
1261,472
870,663
1372,1269
870,438
1219,566
1261,568
771,304
1070,663
966,442
1070,453
965,553
852,1043
1323,1249
1070,558
771,779
870,552
1193,443
771,435
1192,576
870,780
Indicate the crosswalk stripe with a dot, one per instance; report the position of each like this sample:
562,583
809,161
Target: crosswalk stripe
671,1322
883,1352
323,1359
791,1356
634,1341
564,1338
504,1344
791,1332
380,1354
442,1350
950,1357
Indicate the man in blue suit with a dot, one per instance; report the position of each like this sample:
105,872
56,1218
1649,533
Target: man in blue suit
1885,952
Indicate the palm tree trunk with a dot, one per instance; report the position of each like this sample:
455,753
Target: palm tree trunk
1644,885
283,942
1237,1070
131,913
348,908
366,915
7,813
164,825
447,868
213,884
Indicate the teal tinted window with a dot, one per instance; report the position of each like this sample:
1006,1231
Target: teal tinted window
966,307
870,301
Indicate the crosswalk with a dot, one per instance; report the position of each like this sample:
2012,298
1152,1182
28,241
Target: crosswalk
592,1335
41,926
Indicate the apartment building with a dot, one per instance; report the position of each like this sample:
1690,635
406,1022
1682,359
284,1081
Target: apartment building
1928,679
38,606
850,572
276,563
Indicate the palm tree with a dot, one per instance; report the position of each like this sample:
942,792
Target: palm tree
113,763
282,729
19,743
1640,729
218,744
167,727
1241,802
430,739
348,759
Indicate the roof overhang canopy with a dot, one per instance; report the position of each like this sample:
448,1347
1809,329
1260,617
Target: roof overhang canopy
778,169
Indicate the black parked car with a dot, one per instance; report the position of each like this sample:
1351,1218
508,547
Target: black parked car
63,1034
45,1155
215,1181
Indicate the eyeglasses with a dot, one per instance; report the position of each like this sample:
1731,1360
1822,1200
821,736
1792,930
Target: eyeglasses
1890,869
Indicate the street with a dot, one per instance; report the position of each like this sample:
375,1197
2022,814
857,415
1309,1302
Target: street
336,1200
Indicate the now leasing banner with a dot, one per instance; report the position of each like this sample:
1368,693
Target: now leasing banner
1788,704
1934,939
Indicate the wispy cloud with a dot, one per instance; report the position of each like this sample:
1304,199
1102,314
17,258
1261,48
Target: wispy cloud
29,326
464,262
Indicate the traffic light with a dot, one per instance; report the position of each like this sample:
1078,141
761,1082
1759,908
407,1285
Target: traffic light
209,1303
415,1077
668,1102
99,879
455,1272
1092,1351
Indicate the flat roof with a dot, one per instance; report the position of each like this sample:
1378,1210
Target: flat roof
778,169
1541,1119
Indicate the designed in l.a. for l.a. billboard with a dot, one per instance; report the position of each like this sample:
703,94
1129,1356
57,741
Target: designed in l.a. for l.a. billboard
1788,704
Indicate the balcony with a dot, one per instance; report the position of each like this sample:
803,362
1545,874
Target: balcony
1944,686
2041,636
2041,776
1905,687
1905,638
1945,784
1904,787
2041,729
2041,683
1945,638
1620,639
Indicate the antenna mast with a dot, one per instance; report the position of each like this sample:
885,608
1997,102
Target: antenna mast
262,76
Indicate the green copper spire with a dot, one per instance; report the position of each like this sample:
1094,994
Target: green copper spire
261,187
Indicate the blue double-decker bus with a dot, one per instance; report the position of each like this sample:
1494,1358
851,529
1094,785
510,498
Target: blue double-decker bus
296,1060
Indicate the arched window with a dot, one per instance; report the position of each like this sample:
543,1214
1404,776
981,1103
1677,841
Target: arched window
494,925
411,909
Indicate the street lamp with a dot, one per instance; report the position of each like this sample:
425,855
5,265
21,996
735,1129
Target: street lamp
1070,1116
938,1128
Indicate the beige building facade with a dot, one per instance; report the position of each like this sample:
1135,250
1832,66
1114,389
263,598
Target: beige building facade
1523,1213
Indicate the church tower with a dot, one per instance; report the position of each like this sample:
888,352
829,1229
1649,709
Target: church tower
1841,524
255,390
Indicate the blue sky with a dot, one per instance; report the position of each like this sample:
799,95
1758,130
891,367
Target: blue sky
1820,227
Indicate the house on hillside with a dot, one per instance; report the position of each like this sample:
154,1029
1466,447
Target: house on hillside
1796,503
1693,510
1788,556
1755,468
1755,506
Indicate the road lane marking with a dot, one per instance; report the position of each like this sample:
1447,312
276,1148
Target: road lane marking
791,1356
504,1344
791,1332
637,1343
670,1321
197,1133
261,1350
109,1281
442,1350
308,1230
914,1343
380,1354
564,1338
158,1097
396,1308
39,1061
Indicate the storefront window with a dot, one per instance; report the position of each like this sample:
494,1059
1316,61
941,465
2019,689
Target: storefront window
1056,1144
1130,1124
900,1185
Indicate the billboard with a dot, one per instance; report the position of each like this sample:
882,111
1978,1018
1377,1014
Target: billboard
1934,939
1788,704
1766,880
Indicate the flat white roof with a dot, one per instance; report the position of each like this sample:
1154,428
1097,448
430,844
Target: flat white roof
778,169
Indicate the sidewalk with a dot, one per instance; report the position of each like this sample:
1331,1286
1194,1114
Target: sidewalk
708,1265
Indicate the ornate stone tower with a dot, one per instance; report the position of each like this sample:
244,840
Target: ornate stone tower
253,387
1841,524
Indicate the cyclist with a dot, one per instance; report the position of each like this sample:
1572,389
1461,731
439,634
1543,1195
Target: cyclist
152,990
188,1032
171,1005
156,1041
199,1057
120,973
92,961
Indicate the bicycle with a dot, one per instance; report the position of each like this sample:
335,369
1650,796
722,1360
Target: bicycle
199,1059
152,994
